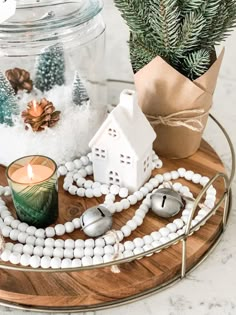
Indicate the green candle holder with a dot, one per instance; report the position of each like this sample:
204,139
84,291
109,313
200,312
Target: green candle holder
33,181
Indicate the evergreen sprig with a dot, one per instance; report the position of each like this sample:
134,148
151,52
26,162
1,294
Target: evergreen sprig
196,63
164,21
183,32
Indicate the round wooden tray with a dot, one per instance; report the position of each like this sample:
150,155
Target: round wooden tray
92,289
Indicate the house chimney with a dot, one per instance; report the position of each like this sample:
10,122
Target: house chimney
128,100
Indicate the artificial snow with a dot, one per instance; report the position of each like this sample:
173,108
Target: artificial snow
66,141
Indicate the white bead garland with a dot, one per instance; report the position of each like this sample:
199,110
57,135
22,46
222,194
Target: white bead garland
37,248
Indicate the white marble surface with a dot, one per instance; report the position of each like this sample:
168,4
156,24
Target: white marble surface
210,289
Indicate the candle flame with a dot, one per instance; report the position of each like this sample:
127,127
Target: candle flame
34,105
30,172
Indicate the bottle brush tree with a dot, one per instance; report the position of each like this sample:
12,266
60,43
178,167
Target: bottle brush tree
79,92
8,102
183,32
50,68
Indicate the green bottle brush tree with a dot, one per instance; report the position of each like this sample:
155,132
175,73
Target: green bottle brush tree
183,32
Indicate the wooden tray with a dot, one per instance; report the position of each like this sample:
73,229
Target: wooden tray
98,288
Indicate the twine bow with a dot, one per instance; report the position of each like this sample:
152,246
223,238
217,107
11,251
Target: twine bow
193,123
2,243
115,268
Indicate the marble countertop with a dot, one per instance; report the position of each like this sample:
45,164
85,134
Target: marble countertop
210,289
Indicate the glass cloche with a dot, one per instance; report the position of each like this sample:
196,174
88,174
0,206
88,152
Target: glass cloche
52,78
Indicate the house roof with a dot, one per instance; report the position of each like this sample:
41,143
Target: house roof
131,121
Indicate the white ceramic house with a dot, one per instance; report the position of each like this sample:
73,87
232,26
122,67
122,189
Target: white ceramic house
122,147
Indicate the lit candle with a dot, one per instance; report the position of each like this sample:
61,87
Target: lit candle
31,174
33,181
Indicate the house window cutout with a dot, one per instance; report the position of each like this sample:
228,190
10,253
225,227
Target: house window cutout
114,178
125,159
112,132
100,153
146,164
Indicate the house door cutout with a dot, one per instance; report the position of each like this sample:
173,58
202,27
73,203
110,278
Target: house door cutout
114,178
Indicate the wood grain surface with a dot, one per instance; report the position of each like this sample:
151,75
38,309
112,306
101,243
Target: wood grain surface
93,287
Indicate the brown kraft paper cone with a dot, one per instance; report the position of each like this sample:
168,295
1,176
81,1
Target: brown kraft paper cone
163,91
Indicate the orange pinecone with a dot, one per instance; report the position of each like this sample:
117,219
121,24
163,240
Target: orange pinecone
40,115
19,79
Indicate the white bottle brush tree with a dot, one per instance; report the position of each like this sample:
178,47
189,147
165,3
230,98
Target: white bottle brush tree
79,93
50,68
8,102
183,32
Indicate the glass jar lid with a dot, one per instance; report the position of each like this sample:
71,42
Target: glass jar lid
39,22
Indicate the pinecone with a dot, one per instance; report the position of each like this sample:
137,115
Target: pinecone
40,115
19,79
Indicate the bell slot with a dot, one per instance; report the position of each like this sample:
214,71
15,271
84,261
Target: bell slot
102,214
82,220
163,201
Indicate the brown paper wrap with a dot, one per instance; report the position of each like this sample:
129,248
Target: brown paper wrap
163,92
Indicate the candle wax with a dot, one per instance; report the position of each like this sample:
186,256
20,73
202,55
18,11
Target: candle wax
40,173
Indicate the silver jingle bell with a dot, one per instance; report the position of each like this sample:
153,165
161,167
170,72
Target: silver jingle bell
96,221
166,202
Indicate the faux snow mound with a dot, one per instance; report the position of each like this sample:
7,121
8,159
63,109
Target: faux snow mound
64,142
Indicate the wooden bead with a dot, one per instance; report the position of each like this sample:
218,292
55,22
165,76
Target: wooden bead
15,258
73,190
70,166
148,239
5,255
15,224
97,260
14,234
76,263
156,236
123,193
49,242
25,260
189,175
138,242
48,251
55,263
60,229
69,243
129,245
18,248
59,243
69,227
31,240
181,171
66,263
58,252
78,252
31,230
78,164
87,261
28,249
50,232
45,262
6,230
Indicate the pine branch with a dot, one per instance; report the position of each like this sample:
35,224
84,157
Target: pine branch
190,5
134,14
180,31
220,19
164,19
192,25
140,55
196,63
